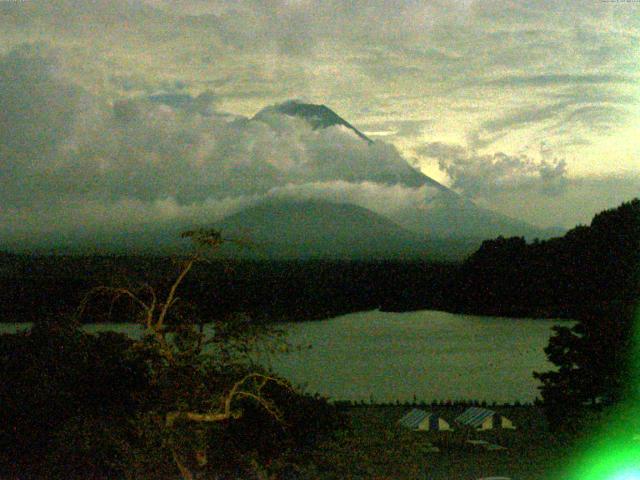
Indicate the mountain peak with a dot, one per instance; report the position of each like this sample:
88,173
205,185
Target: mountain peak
318,116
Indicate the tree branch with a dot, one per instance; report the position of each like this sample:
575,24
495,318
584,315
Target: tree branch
227,404
184,471
115,292
170,297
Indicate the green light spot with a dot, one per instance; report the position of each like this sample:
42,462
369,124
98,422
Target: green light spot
609,461
613,451
633,474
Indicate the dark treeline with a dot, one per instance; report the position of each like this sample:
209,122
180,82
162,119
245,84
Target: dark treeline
571,276
596,359
564,277
78,406
32,287
574,276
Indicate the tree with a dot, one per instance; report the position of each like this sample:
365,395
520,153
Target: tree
595,358
199,380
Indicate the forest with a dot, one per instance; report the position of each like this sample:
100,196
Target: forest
570,276
285,290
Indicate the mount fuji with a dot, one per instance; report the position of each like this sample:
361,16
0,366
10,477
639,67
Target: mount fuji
448,225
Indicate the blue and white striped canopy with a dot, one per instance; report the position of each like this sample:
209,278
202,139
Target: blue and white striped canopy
474,416
415,417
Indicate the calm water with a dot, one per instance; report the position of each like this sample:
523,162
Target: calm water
434,355
388,356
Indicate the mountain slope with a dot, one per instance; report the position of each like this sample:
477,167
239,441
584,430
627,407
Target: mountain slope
448,216
451,216
319,116
317,228
326,196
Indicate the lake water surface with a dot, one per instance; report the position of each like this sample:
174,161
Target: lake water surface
432,355
394,356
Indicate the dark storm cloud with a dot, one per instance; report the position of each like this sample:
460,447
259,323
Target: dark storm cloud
37,115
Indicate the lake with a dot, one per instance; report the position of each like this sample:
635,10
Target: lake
394,356
432,355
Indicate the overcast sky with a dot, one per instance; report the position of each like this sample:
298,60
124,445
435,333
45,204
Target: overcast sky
530,107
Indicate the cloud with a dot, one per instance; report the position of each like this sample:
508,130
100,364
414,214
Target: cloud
538,189
566,115
99,221
396,128
482,175
84,162
561,79
170,144
578,201
523,117
386,200
37,109
117,216
600,119
481,72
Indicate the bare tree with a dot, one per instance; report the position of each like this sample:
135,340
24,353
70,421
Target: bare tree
178,357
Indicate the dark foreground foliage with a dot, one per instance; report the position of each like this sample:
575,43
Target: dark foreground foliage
72,406
177,401
597,359
67,398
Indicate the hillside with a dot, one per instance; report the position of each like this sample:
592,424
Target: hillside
315,229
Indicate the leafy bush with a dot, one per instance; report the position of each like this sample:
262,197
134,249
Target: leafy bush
57,379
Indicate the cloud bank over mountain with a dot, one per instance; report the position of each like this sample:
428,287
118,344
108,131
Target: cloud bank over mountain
80,162
482,175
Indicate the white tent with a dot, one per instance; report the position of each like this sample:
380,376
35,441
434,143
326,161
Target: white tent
483,419
418,419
